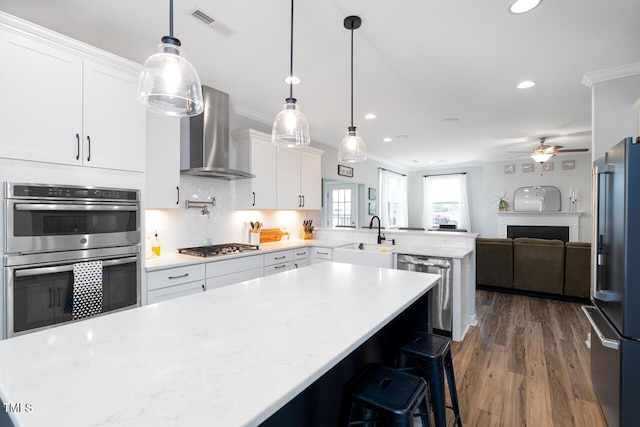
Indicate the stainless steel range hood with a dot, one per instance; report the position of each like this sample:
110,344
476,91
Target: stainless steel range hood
204,142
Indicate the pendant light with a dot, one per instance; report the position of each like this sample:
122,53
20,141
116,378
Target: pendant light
168,82
290,127
352,148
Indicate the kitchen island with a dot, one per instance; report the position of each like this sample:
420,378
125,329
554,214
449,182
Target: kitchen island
234,356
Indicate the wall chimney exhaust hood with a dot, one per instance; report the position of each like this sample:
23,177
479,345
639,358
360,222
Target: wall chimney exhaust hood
204,140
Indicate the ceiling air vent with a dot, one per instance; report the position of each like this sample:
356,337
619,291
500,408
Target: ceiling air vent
212,23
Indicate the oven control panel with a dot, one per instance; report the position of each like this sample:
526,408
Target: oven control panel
41,191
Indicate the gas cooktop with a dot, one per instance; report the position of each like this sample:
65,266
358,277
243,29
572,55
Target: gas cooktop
216,250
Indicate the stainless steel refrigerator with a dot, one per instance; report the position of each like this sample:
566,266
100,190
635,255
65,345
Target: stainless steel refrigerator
615,313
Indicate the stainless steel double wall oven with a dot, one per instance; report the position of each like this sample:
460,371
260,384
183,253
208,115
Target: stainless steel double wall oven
48,229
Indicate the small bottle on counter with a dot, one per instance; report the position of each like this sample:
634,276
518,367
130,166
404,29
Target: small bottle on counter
155,245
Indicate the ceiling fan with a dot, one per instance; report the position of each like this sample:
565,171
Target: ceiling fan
544,152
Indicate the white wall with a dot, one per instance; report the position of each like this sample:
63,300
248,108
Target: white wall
178,228
614,117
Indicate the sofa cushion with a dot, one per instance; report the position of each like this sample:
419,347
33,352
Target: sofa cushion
577,272
538,265
494,262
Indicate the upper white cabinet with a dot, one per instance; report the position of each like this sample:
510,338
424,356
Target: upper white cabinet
298,178
66,106
163,162
255,153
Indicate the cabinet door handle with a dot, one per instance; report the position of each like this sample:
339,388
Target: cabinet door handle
279,257
300,253
50,297
89,148
299,201
178,277
280,266
59,296
203,288
178,190
322,253
78,146
254,198
303,200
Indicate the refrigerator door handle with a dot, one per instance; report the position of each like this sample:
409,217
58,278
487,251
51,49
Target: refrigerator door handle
606,342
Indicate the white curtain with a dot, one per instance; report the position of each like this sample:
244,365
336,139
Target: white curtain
393,206
445,188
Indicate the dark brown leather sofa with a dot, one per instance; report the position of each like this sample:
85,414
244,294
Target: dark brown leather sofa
537,265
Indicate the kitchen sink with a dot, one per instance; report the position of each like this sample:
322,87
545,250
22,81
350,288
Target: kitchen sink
372,255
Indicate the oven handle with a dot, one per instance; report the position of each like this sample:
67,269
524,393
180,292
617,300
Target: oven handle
49,207
69,267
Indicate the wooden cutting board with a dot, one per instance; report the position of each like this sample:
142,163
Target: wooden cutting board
272,235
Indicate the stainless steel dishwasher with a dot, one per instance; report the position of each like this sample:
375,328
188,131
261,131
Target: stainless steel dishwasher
441,298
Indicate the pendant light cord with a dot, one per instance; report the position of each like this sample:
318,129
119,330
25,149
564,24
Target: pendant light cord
171,18
351,77
290,57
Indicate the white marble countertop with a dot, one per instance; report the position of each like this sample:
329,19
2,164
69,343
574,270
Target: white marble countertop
231,356
174,259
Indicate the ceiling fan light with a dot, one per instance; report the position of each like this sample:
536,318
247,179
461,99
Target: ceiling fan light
541,157
169,84
352,148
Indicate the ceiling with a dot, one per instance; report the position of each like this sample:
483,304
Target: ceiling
417,63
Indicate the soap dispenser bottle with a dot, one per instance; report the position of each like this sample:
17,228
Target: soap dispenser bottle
155,245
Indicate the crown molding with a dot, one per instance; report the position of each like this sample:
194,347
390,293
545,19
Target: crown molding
253,115
594,77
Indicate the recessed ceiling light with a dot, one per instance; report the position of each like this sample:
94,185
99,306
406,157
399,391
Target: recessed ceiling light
292,80
370,116
451,120
522,6
526,84
387,139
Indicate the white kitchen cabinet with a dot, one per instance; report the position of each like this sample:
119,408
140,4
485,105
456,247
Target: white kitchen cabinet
276,262
163,162
255,153
66,108
298,178
320,254
174,282
230,271
301,257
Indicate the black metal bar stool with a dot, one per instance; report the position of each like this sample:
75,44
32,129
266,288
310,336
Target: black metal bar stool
385,396
430,356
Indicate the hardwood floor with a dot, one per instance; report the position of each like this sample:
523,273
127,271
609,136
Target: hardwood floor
525,364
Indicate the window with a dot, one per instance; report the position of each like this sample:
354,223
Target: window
342,205
445,201
393,199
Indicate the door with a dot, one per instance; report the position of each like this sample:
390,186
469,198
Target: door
163,162
288,179
341,205
41,87
310,181
114,120
263,166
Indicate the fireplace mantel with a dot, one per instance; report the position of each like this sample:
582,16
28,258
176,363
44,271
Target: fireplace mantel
561,219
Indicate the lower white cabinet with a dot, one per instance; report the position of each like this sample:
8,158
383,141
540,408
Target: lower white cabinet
300,257
276,262
228,272
175,282
320,254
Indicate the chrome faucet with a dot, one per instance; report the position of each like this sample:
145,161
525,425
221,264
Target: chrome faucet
380,238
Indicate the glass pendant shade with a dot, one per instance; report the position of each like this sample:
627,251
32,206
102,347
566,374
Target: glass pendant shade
352,148
541,157
168,82
290,127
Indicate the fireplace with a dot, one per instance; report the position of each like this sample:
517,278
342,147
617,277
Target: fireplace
538,232
540,219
